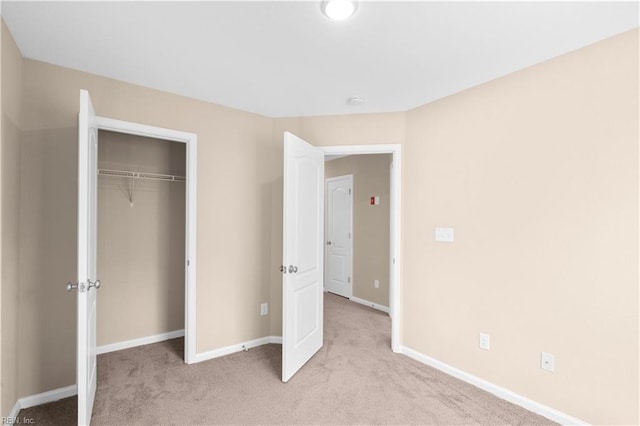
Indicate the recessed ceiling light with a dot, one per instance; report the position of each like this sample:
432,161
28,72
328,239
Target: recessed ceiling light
355,100
339,10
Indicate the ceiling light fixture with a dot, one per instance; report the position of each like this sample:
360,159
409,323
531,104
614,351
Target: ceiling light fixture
355,100
339,10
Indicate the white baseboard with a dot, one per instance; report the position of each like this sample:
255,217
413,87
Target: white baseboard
139,342
275,340
216,353
39,399
370,304
11,418
500,392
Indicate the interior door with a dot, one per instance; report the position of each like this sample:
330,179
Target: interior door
87,283
302,294
339,235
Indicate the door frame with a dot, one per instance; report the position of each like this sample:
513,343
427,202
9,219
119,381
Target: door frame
326,247
190,139
395,193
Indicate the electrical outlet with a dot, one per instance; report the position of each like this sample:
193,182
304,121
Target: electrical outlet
376,283
484,341
264,309
444,235
547,362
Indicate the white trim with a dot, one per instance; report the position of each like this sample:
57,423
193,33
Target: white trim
500,392
395,191
127,344
38,399
12,415
46,397
276,340
227,350
191,139
369,304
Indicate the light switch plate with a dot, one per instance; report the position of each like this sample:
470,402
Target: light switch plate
264,309
444,235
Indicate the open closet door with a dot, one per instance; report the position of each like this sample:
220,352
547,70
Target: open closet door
87,284
302,294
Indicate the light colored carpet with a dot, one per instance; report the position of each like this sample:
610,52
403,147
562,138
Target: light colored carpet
354,379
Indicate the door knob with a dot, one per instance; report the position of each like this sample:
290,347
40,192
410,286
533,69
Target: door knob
328,243
95,284
293,269
80,287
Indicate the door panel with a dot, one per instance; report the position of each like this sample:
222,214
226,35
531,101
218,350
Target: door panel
87,249
339,235
302,253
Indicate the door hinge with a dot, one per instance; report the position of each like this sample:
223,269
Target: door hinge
349,191
349,235
349,280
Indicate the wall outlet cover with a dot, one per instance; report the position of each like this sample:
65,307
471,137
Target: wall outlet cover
547,362
444,235
484,341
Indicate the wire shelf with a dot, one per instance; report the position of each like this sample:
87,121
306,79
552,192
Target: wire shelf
141,175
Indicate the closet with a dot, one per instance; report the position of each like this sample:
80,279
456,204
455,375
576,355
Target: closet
141,237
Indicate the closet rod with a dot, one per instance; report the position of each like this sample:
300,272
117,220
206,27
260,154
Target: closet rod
141,175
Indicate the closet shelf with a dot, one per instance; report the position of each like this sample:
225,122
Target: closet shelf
140,175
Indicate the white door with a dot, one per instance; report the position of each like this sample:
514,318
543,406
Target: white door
87,283
339,235
302,293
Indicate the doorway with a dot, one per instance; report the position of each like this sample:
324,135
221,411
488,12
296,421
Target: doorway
303,246
361,228
395,177
190,141
141,240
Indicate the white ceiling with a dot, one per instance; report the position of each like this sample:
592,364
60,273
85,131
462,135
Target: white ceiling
286,59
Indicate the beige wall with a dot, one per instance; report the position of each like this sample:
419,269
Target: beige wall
370,223
141,257
10,154
538,174
231,263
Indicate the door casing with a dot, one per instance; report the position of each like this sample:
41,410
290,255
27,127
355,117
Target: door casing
395,193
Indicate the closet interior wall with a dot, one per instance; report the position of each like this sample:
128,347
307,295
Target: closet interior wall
141,239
